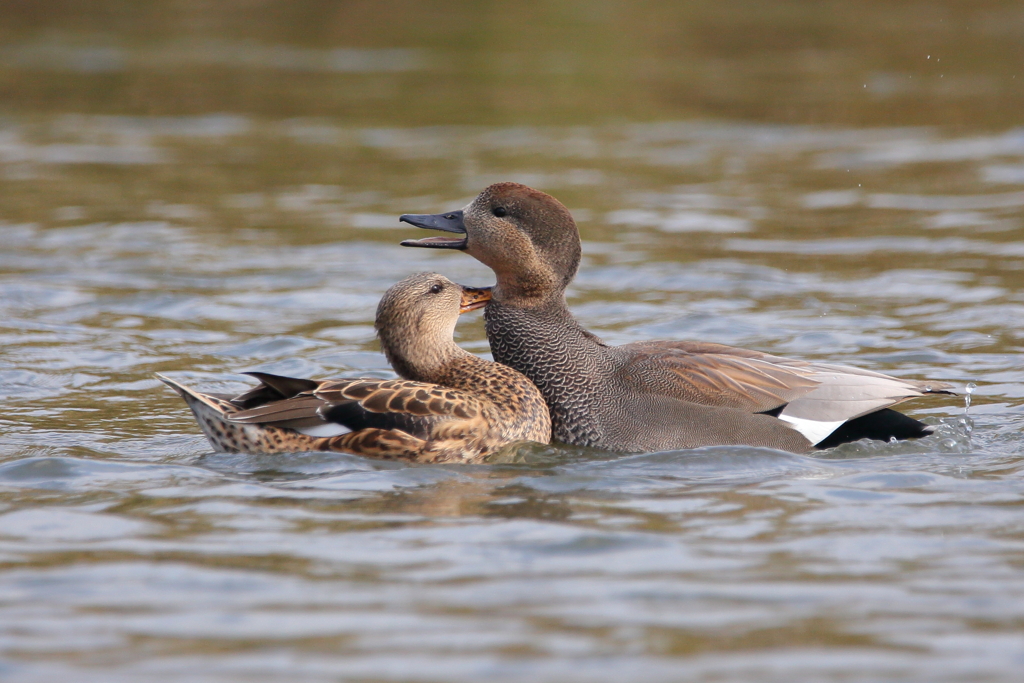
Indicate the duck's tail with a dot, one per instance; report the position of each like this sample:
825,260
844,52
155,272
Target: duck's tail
213,413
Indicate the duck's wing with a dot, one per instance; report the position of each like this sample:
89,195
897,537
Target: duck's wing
717,375
415,408
284,402
845,393
816,398
272,388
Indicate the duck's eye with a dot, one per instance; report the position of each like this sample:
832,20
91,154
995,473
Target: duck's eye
436,289
499,211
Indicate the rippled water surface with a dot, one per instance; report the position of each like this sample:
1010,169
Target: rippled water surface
200,191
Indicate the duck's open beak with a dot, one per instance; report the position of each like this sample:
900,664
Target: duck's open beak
474,298
447,222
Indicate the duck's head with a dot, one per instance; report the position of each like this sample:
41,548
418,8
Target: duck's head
526,237
416,322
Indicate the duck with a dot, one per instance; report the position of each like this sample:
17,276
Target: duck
651,395
449,405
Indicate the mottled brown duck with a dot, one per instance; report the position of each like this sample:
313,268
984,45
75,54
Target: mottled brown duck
653,395
449,407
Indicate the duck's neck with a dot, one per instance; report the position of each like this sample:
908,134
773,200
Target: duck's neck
427,362
544,342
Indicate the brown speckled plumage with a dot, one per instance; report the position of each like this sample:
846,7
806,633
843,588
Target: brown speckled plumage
451,406
655,395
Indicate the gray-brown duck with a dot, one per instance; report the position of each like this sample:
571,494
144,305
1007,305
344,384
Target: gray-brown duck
653,395
450,406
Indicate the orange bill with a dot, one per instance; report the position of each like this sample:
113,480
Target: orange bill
474,298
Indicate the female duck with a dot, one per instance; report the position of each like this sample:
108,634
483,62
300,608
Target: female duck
451,406
654,395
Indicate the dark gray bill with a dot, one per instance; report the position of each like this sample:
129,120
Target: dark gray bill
446,222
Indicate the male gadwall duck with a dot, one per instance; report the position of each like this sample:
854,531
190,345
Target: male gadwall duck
451,406
654,395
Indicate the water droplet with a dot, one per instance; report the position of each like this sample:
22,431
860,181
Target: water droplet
892,439
969,389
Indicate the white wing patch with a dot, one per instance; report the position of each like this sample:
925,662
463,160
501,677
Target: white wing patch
326,429
815,431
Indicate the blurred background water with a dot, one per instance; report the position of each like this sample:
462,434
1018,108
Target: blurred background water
202,188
